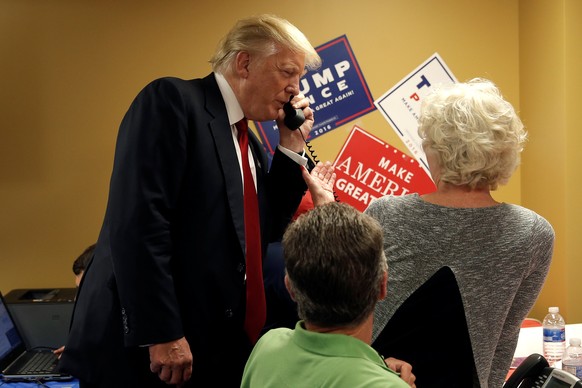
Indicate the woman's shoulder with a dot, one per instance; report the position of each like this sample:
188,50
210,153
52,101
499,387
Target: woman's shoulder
524,213
395,200
391,206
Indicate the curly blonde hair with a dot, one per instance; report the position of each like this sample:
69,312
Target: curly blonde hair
474,132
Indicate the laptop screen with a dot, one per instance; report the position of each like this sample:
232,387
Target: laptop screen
9,337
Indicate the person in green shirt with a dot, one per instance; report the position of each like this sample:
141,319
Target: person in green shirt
336,272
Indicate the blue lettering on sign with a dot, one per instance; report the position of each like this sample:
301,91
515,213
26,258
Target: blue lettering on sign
423,82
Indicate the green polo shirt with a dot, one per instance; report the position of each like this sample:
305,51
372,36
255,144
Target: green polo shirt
301,358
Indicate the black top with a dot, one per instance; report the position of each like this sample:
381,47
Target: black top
430,327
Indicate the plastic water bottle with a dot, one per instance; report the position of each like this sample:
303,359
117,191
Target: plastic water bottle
572,360
554,336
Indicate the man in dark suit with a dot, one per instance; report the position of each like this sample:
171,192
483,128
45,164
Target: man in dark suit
163,301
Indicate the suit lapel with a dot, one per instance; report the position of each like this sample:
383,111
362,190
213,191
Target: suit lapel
222,134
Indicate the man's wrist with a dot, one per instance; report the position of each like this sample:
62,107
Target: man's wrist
297,157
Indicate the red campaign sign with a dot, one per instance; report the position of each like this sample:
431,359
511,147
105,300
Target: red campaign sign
369,168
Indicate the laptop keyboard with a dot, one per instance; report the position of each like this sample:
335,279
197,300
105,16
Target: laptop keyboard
40,363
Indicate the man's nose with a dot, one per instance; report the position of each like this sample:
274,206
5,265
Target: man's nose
293,86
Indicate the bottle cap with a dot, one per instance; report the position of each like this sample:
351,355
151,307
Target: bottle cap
575,341
553,310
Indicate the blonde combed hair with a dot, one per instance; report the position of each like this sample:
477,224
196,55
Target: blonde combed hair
263,35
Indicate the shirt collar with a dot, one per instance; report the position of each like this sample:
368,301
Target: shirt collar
335,345
233,109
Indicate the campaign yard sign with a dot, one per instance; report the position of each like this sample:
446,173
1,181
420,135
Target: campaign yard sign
400,105
337,92
369,168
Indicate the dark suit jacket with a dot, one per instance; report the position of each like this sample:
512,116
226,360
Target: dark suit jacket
169,260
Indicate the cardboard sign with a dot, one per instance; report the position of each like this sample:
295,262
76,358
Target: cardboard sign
337,92
369,168
400,106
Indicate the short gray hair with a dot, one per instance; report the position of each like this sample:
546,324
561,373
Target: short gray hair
335,263
476,134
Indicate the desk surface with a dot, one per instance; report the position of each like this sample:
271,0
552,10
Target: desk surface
531,339
52,384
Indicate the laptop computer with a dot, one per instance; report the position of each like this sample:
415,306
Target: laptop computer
18,363
42,315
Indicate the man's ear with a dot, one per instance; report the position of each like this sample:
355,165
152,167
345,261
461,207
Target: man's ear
289,287
242,61
383,286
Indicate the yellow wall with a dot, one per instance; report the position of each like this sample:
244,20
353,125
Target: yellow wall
550,63
70,68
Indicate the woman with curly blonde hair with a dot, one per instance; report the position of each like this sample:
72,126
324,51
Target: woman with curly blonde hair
465,269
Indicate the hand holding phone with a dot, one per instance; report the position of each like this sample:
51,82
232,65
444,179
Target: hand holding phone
294,118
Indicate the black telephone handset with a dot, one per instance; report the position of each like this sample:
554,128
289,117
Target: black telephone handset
535,371
294,118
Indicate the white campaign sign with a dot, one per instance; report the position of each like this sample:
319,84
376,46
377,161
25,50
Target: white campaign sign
400,106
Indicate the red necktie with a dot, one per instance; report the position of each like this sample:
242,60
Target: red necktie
256,310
